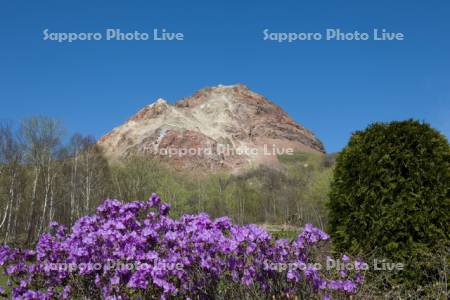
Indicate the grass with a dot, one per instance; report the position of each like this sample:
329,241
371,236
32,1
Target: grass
282,231
3,282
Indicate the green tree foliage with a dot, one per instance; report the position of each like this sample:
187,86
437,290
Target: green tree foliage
391,194
294,194
43,178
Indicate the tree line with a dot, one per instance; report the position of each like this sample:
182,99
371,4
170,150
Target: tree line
45,176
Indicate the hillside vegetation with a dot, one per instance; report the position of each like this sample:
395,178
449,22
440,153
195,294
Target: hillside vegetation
43,179
385,197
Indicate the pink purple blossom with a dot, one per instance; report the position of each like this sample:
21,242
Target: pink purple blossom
142,233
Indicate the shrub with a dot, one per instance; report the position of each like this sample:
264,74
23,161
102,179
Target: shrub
192,257
390,194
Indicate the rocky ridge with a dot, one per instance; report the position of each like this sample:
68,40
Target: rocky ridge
221,127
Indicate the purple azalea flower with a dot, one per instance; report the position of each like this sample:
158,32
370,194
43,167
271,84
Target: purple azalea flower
132,246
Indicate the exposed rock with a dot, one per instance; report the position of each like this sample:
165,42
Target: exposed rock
223,127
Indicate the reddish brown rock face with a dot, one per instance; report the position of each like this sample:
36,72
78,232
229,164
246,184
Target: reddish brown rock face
223,127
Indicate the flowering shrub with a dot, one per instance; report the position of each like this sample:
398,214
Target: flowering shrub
136,251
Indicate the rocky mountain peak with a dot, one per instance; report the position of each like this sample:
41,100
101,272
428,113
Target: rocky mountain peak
215,124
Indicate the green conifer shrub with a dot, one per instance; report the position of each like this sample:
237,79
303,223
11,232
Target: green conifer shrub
391,196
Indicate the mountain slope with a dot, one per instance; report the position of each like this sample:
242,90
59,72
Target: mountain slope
222,127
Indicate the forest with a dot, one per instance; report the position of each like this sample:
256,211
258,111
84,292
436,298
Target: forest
46,175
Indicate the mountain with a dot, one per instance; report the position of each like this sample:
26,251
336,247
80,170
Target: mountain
221,127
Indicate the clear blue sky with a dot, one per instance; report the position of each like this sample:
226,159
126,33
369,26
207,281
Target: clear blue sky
332,88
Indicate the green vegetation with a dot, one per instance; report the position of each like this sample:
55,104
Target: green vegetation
43,179
388,195
4,283
391,197
294,194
